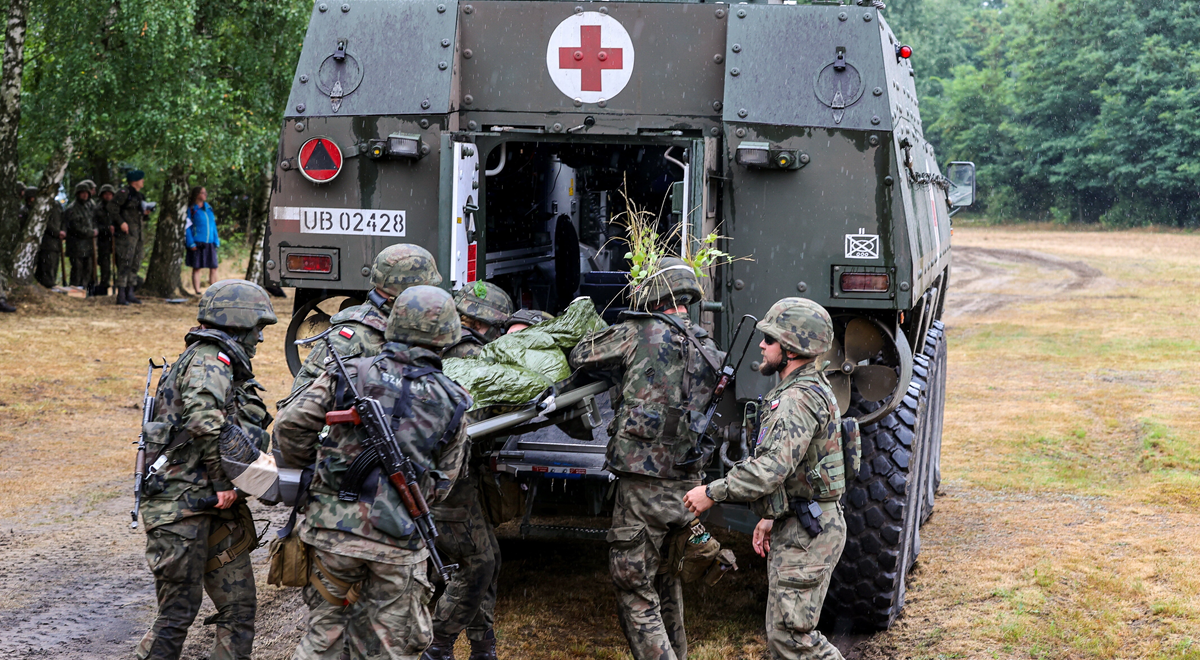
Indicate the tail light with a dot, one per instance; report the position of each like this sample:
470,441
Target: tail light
865,282
310,263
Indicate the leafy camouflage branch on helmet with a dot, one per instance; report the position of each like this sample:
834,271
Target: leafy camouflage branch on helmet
484,302
799,325
424,316
236,304
404,265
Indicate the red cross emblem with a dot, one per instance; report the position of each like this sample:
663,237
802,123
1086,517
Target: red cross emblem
590,58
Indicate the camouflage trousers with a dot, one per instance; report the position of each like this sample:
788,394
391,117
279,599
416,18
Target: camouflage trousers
46,268
649,605
177,554
104,255
389,620
466,538
799,568
81,270
128,250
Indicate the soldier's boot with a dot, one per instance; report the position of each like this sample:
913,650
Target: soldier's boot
484,649
121,296
5,307
130,297
442,648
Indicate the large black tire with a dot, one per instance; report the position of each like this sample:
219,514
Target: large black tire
891,496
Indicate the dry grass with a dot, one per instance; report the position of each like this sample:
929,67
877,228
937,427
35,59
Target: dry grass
1067,527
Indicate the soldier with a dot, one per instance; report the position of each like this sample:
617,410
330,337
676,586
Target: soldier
104,220
5,308
50,251
367,553
126,207
80,232
483,308
190,545
523,318
795,479
664,367
359,330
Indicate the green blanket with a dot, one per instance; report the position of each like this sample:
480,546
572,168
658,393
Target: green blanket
516,368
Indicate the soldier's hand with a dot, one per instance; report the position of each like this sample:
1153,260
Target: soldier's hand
226,498
697,500
762,536
124,227
62,234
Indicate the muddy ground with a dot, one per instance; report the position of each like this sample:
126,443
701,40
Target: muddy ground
1014,563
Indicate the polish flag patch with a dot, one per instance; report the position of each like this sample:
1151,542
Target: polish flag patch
774,404
347,333
223,358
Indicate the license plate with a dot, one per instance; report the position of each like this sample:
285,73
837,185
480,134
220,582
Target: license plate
358,222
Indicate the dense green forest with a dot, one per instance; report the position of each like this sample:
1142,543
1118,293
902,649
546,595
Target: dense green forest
1082,111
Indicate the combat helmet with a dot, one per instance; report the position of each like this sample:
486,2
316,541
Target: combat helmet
672,281
107,188
403,265
91,185
82,186
485,302
423,315
799,325
236,304
527,317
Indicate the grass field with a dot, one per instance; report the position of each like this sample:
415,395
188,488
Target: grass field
1067,525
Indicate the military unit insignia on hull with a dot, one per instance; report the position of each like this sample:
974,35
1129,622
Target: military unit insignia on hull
862,246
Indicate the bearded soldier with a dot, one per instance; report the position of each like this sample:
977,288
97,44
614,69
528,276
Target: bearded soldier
358,331
794,481
663,367
199,533
368,592
80,232
105,219
483,308
127,209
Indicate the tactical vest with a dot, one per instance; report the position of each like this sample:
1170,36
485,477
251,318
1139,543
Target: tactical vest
181,483
358,332
348,479
661,412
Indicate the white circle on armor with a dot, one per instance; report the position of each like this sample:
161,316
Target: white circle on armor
590,57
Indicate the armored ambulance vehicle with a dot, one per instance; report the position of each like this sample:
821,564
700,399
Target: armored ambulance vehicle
505,135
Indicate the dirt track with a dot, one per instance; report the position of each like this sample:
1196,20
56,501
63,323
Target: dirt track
74,583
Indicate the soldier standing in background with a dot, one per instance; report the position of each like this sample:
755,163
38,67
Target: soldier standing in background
483,308
467,536
50,251
358,331
126,207
199,533
5,308
795,480
104,220
369,593
650,358
80,232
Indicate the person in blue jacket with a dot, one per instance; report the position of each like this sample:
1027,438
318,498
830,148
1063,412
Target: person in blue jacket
202,239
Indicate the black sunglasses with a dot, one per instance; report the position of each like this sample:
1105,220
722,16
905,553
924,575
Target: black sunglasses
771,341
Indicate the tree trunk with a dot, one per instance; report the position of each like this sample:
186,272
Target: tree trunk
10,122
257,230
166,262
25,253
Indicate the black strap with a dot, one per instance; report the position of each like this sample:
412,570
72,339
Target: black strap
350,490
301,496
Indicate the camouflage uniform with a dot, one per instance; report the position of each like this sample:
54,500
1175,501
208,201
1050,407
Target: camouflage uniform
650,436
103,219
372,543
189,543
358,331
79,228
126,206
799,444
467,537
50,251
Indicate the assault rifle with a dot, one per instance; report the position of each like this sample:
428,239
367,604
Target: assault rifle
395,464
139,469
728,374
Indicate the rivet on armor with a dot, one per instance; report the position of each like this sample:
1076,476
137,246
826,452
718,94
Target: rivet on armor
804,158
718,58
873,140
802,287
424,123
441,9
741,132
737,48
472,125
345,8
714,131
717,105
468,53
468,99
303,78
739,284
842,16
425,104
735,72
323,7
442,65
557,127
579,10
604,10
875,119
887,180
299,126
577,101
720,13
366,271
468,9
878,91
603,103
445,43
299,107
743,112
270,264
741,13
285,164
867,17
904,286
